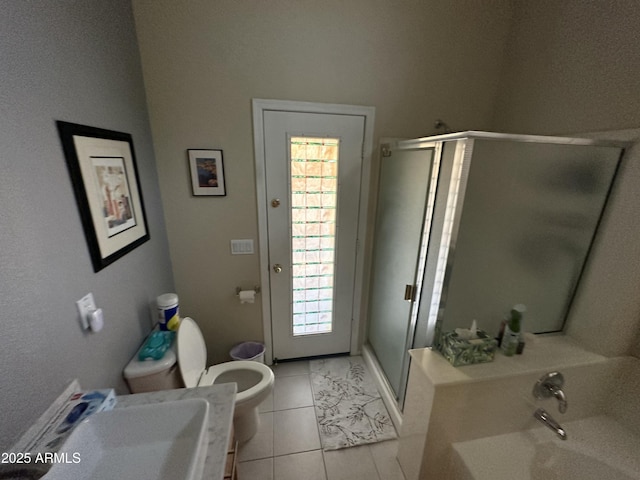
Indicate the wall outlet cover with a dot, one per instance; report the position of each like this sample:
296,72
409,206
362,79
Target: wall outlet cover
85,306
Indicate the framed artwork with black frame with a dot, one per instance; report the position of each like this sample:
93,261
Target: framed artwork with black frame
105,180
207,172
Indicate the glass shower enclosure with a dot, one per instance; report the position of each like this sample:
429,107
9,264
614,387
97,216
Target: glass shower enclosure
470,224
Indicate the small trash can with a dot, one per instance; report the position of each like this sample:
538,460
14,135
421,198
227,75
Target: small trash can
252,351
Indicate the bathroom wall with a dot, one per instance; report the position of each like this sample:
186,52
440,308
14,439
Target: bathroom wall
203,62
572,67
635,351
73,60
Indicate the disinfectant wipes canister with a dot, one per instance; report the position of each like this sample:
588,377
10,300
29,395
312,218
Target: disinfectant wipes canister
168,311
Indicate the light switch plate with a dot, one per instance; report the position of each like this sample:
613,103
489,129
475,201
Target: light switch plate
242,247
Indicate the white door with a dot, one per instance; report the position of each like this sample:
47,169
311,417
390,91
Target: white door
313,170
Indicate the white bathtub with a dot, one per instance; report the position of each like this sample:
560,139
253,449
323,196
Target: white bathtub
476,422
596,448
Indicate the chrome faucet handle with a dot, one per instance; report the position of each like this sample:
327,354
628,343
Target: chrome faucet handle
550,385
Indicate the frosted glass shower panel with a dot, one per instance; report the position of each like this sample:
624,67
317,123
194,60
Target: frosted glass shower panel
529,217
402,194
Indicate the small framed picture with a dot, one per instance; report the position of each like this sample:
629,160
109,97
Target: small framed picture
207,172
105,180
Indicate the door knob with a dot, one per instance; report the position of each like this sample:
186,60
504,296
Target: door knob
275,203
277,268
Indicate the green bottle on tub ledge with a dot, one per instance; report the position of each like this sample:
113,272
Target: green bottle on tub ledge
512,330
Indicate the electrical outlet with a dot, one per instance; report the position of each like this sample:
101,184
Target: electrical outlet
85,305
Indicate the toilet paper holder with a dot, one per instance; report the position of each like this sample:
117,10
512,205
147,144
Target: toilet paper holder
239,289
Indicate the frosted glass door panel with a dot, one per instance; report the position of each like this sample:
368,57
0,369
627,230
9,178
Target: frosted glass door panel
402,193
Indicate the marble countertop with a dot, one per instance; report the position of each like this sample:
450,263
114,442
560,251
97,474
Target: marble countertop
221,400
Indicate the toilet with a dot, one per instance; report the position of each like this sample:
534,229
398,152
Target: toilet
254,379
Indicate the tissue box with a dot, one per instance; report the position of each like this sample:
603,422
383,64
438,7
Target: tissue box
71,412
466,352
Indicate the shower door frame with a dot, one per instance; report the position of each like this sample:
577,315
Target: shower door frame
426,312
391,145
443,190
449,207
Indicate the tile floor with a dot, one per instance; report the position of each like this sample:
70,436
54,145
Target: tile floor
287,445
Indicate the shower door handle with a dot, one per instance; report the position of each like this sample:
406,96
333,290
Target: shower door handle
409,293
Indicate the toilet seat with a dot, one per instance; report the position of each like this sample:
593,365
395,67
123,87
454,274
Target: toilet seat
266,377
192,352
192,361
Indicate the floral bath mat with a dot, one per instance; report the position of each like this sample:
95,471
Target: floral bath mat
348,406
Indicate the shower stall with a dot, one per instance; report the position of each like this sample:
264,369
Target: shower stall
469,224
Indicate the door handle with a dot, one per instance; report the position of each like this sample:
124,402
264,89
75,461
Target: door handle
409,293
277,268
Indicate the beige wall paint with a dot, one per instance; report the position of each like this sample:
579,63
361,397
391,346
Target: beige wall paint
572,66
203,62
635,351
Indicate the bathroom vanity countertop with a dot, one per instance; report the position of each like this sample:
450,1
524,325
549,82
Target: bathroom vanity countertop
540,354
221,400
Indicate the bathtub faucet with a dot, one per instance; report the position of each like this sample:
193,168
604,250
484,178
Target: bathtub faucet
562,400
544,417
550,385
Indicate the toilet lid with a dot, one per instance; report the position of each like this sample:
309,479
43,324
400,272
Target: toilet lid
192,352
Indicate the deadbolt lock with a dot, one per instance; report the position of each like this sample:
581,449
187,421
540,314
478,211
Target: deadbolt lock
277,268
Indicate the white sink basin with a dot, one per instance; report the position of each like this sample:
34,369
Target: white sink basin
162,441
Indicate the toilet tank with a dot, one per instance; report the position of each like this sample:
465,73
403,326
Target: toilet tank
153,375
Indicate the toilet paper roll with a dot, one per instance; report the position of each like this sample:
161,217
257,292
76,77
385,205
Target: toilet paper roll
247,296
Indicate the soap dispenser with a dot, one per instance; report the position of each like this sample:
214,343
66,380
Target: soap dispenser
512,330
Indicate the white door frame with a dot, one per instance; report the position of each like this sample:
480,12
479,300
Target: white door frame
259,107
